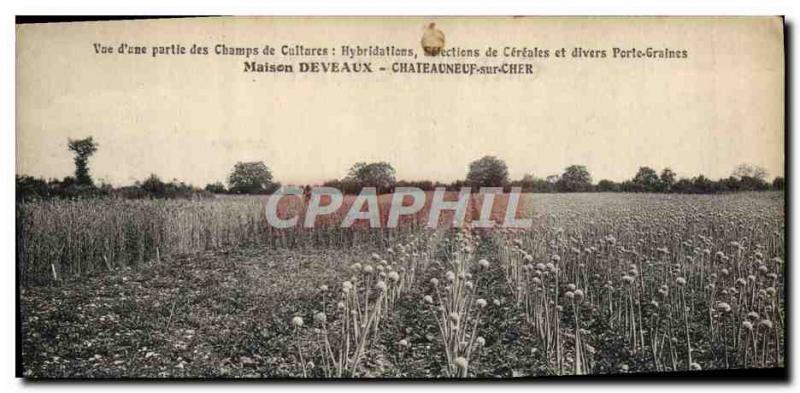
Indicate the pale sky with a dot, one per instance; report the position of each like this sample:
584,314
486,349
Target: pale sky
193,117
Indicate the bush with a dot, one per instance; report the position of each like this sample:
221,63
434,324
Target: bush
216,188
29,188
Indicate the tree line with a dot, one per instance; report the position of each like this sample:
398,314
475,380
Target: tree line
491,171
576,178
245,178
488,171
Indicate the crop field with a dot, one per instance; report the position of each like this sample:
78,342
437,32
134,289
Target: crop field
600,284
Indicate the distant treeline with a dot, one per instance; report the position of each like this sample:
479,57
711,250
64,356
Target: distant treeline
573,180
489,171
30,188
695,185
492,172
245,178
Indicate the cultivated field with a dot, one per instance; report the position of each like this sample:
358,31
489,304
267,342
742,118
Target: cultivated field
602,283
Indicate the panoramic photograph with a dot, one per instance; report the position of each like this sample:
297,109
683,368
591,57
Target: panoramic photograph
400,198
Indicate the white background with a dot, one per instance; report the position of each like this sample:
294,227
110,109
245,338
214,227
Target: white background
320,7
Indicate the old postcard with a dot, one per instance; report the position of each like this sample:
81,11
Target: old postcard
400,197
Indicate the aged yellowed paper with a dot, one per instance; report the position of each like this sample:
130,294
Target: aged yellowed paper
401,197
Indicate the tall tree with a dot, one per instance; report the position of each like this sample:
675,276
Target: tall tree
380,175
251,178
749,170
576,178
750,177
488,171
667,179
83,149
646,179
